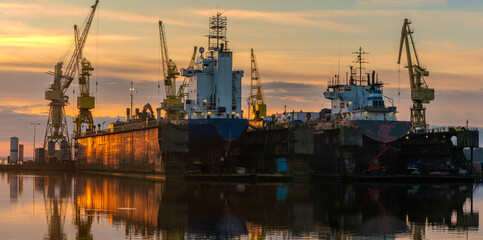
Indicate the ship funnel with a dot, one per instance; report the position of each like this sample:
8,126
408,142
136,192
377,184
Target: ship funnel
373,77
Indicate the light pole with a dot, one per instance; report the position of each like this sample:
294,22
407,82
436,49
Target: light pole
35,125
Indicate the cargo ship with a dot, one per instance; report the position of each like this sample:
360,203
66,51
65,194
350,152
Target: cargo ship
213,106
358,138
201,142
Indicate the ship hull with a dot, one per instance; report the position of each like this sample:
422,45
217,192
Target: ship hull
211,142
217,128
347,150
350,152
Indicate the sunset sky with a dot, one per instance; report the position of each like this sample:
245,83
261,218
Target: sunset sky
297,44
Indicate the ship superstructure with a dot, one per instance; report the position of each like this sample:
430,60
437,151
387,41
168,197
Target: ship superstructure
213,104
359,102
214,88
359,97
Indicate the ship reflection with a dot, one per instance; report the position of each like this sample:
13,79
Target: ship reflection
177,210
188,210
133,203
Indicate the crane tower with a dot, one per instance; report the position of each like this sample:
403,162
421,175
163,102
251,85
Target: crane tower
420,92
85,102
56,134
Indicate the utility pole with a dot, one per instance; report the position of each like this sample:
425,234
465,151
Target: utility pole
35,125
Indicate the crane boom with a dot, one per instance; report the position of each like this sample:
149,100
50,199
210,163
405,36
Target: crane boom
181,94
420,92
77,55
258,109
170,71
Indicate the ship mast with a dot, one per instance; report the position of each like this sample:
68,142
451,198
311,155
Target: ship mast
217,34
361,60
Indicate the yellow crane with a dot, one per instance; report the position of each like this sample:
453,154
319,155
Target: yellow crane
258,109
181,91
56,133
172,105
85,102
420,92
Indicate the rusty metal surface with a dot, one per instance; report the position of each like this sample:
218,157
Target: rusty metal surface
136,150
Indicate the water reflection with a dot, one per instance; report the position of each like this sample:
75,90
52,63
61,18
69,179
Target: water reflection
187,210
57,192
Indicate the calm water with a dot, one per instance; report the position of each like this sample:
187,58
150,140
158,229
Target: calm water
87,207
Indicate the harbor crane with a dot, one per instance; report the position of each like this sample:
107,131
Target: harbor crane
258,109
187,73
420,92
172,104
56,133
85,102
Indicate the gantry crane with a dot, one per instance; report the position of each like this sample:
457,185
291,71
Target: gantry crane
420,93
172,105
56,133
258,109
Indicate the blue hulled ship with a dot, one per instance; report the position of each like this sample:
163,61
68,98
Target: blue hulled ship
213,105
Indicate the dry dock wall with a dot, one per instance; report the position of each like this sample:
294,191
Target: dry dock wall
135,150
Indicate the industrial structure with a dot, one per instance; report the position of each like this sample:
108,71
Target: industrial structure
57,135
172,104
257,107
420,92
204,133
214,87
187,73
85,102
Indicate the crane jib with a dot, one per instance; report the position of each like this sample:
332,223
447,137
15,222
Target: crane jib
79,46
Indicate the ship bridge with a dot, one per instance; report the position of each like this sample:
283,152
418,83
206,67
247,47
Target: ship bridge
361,99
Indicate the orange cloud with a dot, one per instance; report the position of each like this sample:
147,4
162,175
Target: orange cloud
285,18
44,9
398,3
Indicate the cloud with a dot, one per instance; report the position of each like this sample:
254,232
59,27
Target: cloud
295,96
285,18
45,9
399,3
136,18
50,10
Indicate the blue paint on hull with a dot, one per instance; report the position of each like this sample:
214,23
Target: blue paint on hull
228,129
